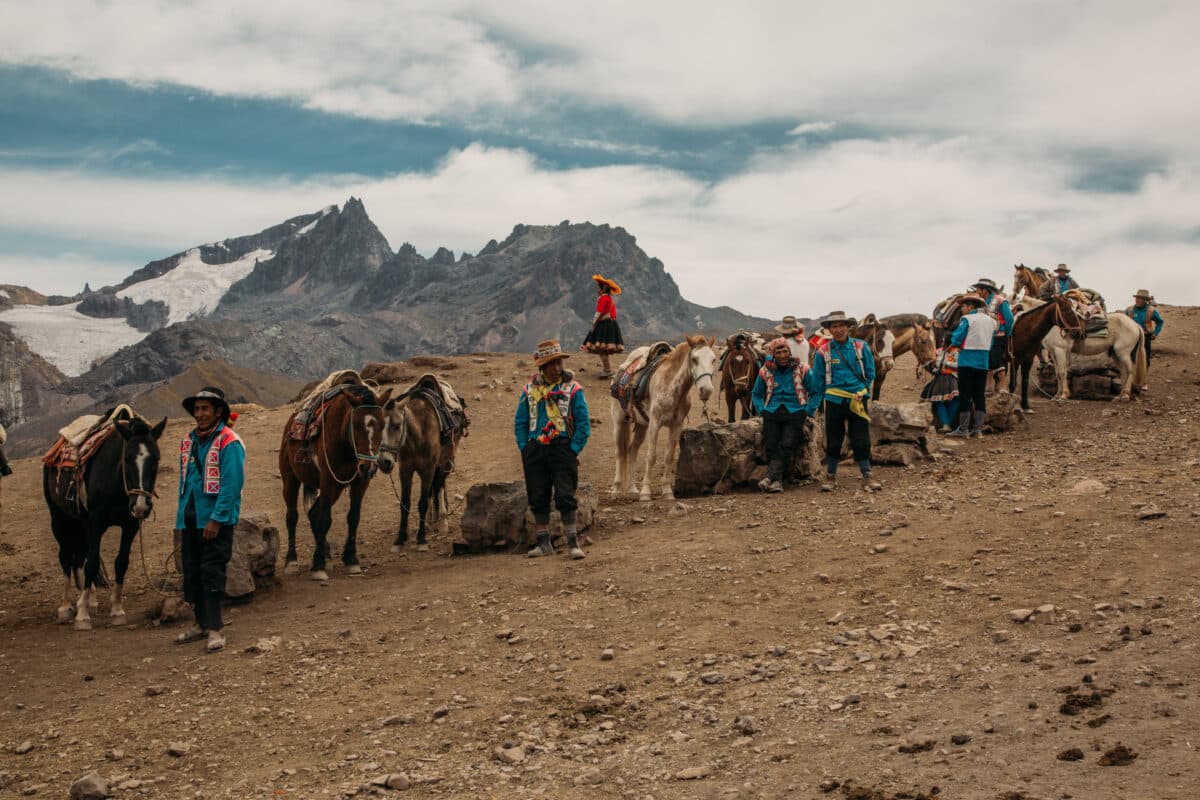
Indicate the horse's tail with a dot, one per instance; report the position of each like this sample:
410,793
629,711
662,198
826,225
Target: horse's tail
1140,367
310,497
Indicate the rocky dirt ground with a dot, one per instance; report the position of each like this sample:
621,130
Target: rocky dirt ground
743,646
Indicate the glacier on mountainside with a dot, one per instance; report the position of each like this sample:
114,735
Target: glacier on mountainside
67,339
193,288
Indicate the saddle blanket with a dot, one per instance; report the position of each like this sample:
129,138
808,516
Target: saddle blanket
79,441
450,408
632,383
307,422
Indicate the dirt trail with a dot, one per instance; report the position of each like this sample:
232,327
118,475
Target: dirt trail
760,649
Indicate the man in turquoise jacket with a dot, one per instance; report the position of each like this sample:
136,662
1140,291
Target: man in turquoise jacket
212,467
784,397
1146,315
843,372
551,428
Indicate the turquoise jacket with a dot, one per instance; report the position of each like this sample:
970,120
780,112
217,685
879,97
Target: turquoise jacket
225,507
785,391
845,372
1139,316
578,414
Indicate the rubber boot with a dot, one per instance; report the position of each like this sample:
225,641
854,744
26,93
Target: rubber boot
963,430
573,548
543,546
977,426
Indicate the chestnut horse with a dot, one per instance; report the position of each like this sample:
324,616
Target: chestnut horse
1030,279
739,370
341,455
690,363
1030,329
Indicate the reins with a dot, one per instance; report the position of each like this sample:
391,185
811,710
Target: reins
359,457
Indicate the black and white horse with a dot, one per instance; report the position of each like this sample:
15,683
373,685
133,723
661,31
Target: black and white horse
117,489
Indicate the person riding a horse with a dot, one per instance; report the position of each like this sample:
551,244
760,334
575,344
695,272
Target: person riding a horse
843,373
793,333
1061,283
551,428
784,395
211,474
998,309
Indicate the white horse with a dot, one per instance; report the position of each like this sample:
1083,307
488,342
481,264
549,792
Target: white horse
690,363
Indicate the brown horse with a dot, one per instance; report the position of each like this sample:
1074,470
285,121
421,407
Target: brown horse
1030,279
342,454
893,336
415,440
1030,329
739,370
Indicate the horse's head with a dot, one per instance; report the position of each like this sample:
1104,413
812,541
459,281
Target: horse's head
923,346
367,425
394,432
139,463
1067,319
702,360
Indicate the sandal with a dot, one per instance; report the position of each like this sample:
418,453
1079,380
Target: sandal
192,634
216,642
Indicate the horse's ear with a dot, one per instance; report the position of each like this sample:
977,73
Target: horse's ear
384,398
389,405
157,430
712,340
123,428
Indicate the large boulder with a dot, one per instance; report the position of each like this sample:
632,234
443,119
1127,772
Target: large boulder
90,787
497,516
717,458
1003,412
900,434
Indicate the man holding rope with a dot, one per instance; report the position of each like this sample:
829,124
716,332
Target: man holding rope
212,469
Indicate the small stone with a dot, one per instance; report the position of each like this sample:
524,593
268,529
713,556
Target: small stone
712,678
917,744
441,711
178,749
398,781
693,773
744,725
1070,754
589,777
89,787
155,691
876,549
396,719
1020,614
1118,756
607,654
1150,511
828,785
960,739
504,633
23,748
510,755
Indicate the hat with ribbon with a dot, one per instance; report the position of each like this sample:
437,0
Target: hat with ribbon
985,283
607,282
971,300
838,316
547,351
1062,269
213,395
789,326
1143,294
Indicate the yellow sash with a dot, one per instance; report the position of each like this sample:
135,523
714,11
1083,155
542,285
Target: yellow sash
856,401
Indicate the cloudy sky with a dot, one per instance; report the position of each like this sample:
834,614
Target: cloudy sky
780,157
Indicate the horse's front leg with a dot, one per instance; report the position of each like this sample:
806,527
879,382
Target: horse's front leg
405,503
634,448
669,462
422,510
291,496
1062,371
1126,366
620,448
646,495
88,601
350,551
116,612
320,517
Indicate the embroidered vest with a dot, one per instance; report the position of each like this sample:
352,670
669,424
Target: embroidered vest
798,372
211,479
993,310
859,344
564,396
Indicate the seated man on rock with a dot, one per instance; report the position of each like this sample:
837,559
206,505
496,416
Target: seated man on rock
784,394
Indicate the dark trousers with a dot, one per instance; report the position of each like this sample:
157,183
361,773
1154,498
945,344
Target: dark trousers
1148,339
998,354
204,563
783,434
5,469
551,470
838,420
972,389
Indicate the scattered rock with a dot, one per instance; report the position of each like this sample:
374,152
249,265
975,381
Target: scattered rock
693,773
1070,754
1020,614
916,744
441,711
1088,486
23,748
89,787
510,755
960,739
745,725
398,781
178,749
606,654
1117,756
1150,511
712,678
589,777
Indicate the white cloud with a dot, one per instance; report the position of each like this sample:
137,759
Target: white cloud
1109,74
812,127
863,225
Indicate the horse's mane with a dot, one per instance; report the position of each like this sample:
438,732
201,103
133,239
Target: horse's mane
904,321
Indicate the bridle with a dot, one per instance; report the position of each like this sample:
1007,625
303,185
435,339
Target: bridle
696,375
149,494
368,457
1074,331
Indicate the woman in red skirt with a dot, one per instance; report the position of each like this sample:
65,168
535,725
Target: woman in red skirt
604,338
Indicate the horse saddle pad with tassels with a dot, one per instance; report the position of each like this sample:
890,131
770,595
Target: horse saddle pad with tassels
82,439
632,384
452,415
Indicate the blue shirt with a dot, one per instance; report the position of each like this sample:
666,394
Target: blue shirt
785,391
1006,317
579,418
845,373
975,359
225,507
1139,316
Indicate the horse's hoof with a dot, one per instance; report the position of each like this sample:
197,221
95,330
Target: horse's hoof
65,615
668,496
396,548
84,624
646,498
353,569
118,620
422,548
319,575
291,568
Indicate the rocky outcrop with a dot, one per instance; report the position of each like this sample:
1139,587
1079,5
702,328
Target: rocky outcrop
148,316
496,516
714,459
26,380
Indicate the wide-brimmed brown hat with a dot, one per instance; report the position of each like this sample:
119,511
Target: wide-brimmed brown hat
971,299
789,325
1143,294
213,395
603,281
838,316
985,283
547,351
1063,268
